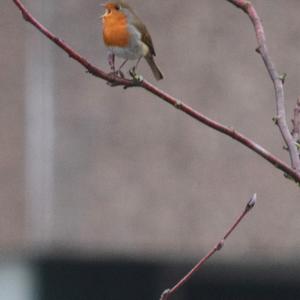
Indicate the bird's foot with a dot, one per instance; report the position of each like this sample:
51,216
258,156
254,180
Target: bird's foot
137,78
120,74
116,73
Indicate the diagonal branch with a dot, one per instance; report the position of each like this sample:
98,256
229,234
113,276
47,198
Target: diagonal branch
296,123
168,292
277,80
113,80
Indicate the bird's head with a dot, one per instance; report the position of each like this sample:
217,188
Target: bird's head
116,8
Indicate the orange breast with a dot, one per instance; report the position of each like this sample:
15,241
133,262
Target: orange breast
115,30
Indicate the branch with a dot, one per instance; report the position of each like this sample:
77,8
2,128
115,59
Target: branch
114,80
277,80
168,292
296,123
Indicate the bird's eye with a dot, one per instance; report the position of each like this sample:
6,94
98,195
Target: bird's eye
118,7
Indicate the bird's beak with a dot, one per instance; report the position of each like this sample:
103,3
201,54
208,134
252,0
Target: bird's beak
103,5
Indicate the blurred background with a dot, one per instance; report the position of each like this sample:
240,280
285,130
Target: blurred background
108,193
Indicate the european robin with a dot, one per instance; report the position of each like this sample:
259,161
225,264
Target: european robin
127,37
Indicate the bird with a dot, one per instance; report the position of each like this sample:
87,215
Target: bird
126,36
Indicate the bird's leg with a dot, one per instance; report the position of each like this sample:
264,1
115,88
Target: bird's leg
111,61
133,73
121,66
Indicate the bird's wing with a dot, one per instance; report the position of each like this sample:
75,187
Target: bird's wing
146,38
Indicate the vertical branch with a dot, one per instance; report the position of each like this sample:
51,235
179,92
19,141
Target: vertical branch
277,80
296,122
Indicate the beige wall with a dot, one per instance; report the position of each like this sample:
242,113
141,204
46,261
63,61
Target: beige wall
131,174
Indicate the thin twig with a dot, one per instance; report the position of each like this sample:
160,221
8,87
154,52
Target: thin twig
278,80
296,123
180,105
168,292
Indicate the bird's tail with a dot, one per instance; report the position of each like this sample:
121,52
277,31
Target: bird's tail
154,68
